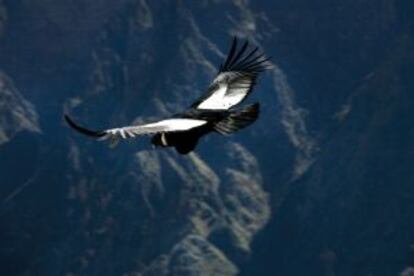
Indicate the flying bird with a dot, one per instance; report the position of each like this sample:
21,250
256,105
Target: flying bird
214,111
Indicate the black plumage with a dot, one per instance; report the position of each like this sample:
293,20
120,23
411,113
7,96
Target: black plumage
214,111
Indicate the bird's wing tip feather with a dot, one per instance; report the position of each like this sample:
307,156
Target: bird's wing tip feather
85,131
238,59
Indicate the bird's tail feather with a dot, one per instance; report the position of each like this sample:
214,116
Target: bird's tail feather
238,119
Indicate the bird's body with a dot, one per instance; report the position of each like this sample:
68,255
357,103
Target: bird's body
212,112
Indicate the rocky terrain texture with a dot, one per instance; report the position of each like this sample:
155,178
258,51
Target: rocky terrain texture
321,184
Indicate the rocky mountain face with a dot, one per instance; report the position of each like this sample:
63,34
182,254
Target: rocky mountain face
319,185
17,114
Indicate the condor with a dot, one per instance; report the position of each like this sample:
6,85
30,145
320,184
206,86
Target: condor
215,111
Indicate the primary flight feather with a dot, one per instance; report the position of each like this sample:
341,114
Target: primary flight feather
213,111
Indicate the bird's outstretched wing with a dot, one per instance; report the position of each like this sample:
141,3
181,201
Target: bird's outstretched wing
114,134
235,80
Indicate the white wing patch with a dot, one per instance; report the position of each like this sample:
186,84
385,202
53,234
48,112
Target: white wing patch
232,89
215,101
178,124
236,78
168,125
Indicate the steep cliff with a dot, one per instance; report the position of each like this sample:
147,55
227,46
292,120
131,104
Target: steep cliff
319,185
